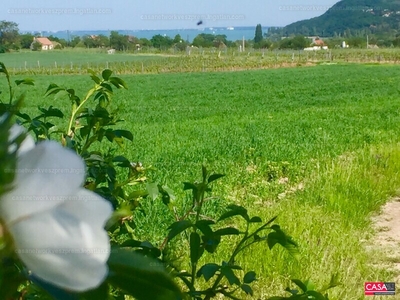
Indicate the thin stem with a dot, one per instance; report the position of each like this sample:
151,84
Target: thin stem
78,109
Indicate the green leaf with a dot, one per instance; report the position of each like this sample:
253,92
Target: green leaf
204,172
310,285
167,194
141,277
94,76
227,231
316,295
334,282
122,161
106,74
204,227
228,273
195,250
208,271
235,210
24,116
118,82
211,242
152,189
300,284
247,289
53,89
214,177
101,292
124,133
279,237
255,220
189,186
249,277
178,227
131,243
27,81
52,112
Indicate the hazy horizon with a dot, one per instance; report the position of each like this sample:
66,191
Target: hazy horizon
155,15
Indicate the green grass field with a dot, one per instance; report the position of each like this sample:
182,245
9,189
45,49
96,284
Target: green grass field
331,130
89,58
77,61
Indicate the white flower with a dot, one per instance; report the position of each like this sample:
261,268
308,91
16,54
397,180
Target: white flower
56,224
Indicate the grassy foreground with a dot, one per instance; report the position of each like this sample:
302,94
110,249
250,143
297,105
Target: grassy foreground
317,146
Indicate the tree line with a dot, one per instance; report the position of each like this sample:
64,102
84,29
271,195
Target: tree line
12,39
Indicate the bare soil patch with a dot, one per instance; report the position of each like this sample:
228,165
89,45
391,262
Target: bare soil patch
387,238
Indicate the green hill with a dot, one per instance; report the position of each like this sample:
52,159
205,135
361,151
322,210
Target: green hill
350,17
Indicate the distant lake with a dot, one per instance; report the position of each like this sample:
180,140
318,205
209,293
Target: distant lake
232,34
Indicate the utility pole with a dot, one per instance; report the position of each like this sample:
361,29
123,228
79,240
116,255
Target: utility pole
243,43
367,41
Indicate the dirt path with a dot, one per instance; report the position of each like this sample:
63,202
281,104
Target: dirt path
387,239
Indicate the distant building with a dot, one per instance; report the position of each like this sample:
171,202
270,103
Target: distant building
372,46
319,42
45,43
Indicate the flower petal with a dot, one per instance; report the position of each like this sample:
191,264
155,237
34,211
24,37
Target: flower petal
66,246
46,176
27,144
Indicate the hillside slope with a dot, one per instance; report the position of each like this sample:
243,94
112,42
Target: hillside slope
350,17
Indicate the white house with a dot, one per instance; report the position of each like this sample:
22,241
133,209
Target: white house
44,42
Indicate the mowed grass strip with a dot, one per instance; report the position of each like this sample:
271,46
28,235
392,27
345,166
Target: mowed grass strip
317,146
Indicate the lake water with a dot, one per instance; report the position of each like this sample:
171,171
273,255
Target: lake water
232,34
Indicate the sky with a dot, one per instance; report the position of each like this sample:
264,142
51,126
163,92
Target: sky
58,15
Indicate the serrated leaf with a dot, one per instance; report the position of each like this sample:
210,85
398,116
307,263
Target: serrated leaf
227,231
214,177
178,227
152,189
249,277
106,74
208,271
141,277
247,289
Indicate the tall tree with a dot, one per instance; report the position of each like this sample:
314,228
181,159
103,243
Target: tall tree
26,40
8,34
258,35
